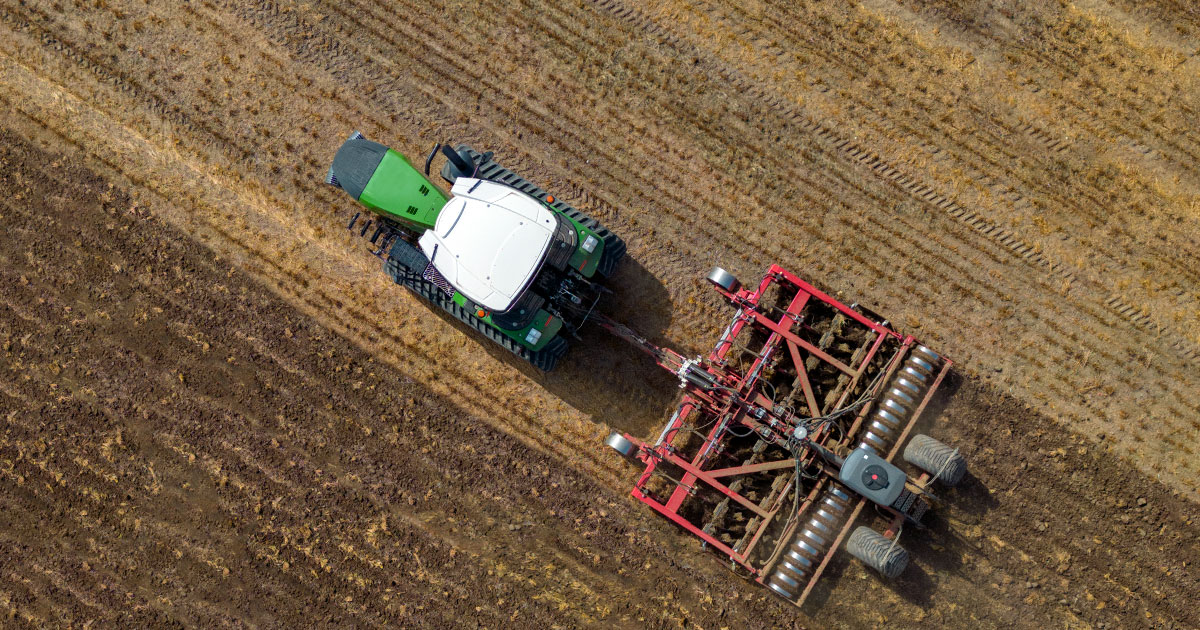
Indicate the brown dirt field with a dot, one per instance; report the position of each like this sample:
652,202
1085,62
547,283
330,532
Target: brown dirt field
218,413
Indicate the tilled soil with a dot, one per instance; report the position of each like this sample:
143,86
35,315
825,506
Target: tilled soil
181,447
219,412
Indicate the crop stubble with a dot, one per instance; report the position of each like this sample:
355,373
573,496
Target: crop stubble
220,117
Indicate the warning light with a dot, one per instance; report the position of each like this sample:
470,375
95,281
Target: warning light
549,198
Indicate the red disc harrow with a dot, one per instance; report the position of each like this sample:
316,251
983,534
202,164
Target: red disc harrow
754,461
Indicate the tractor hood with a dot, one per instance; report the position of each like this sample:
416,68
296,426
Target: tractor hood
489,241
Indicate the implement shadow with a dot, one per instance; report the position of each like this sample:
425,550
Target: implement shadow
936,548
607,378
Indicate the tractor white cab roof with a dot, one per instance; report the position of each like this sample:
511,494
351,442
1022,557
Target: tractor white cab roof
489,241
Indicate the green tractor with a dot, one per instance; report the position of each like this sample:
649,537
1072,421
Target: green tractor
497,253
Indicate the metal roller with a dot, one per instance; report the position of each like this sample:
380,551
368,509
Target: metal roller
842,496
888,418
910,386
882,429
723,279
922,364
620,444
811,543
916,375
931,356
797,572
804,547
819,526
786,580
901,397
815,538
876,443
799,560
826,516
894,407
779,590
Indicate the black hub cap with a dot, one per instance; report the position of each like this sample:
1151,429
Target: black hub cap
875,477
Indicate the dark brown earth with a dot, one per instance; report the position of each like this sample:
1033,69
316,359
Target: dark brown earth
182,448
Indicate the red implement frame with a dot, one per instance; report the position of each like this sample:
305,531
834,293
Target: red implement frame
720,397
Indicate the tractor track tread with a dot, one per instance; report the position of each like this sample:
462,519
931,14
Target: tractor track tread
545,359
855,153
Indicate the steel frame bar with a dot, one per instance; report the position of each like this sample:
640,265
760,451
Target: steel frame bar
802,375
695,474
866,361
774,326
753,468
762,527
821,295
675,517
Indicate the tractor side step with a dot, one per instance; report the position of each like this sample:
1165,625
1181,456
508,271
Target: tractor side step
382,238
614,246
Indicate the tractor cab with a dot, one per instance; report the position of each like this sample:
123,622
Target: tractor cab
498,253
489,241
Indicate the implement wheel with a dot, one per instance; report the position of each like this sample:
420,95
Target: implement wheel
724,279
944,463
874,550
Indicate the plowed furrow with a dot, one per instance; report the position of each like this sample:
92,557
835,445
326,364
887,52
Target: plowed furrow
1053,62
994,144
927,195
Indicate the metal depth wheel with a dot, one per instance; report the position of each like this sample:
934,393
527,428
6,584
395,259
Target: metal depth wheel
878,552
620,444
945,463
723,279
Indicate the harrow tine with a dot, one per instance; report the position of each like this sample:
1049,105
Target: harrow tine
353,220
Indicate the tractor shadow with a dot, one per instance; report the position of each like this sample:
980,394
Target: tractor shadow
609,379
602,376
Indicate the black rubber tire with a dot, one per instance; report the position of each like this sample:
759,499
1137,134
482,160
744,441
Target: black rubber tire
935,457
545,359
877,552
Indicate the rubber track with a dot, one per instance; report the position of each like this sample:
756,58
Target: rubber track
545,359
